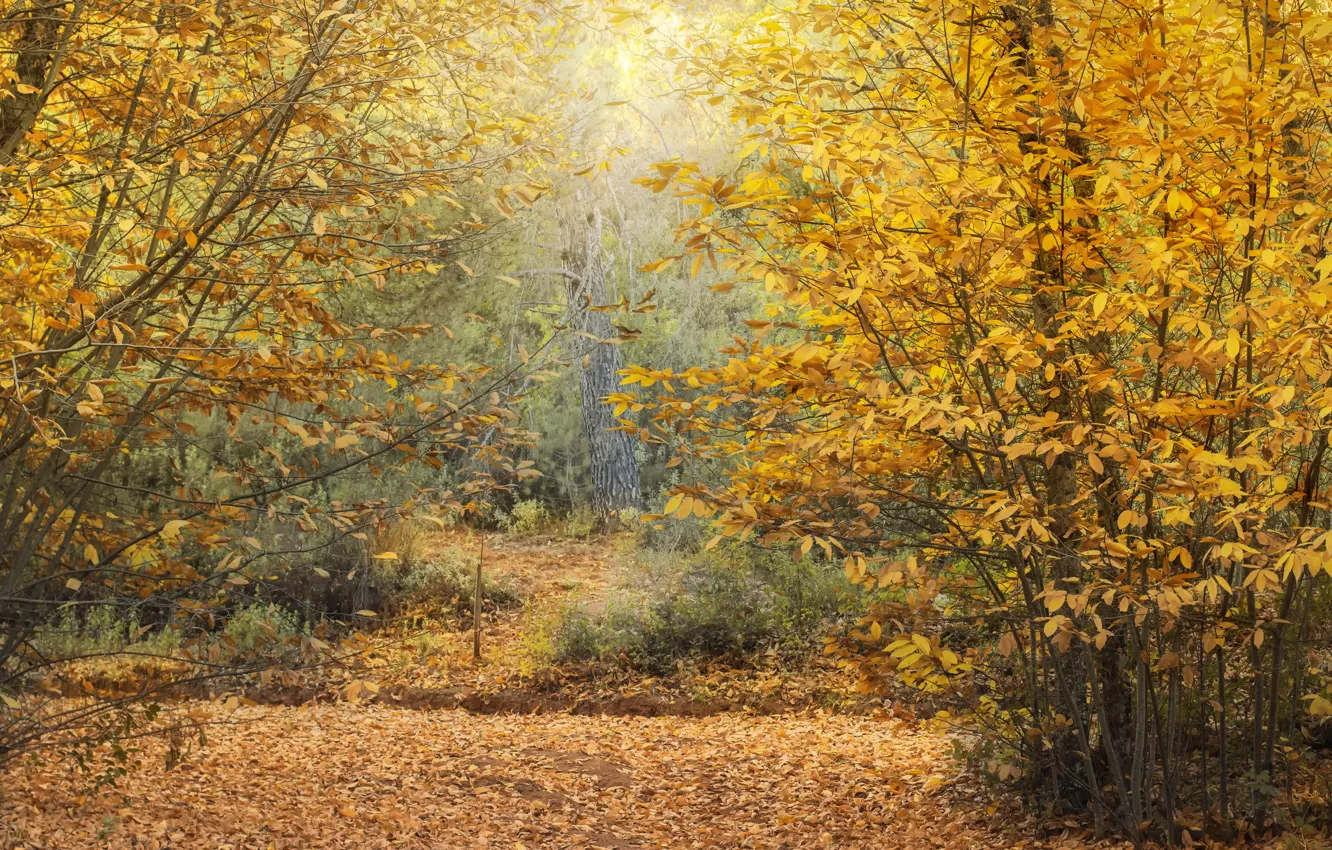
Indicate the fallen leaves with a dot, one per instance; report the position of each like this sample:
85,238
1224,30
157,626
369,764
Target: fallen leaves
363,773
347,776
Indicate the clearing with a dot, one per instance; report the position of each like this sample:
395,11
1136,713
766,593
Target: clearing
377,775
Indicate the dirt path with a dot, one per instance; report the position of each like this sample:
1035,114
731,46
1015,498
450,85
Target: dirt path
539,566
518,672
366,777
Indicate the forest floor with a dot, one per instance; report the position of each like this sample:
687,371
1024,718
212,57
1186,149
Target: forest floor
436,669
731,759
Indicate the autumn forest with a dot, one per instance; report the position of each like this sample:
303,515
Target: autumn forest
637,424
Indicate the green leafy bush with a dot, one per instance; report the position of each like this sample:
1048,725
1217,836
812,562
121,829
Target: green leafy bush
101,629
727,605
352,576
445,582
529,517
580,523
257,630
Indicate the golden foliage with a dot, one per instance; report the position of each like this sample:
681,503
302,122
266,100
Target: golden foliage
189,194
1053,351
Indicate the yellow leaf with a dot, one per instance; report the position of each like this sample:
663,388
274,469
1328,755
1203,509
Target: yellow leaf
73,584
1232,344
346,440
1098,303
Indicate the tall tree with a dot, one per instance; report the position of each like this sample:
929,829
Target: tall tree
614,466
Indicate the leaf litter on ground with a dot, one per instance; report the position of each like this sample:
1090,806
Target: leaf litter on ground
367,776
362,773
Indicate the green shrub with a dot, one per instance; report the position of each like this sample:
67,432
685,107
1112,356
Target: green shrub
726,605
257,630
528,517
347,577
580,523
100,630
446,582
335,580
679,536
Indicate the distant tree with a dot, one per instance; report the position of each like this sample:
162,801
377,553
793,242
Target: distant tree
614,466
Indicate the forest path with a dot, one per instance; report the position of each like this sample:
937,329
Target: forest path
549,572
541,567
364,776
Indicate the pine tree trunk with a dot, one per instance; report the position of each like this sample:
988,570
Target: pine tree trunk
615,481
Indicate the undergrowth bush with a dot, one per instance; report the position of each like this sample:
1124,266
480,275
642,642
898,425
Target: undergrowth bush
256,630
727,604
581,523
680,535
353,575
99,630
529,517
445,582
108,635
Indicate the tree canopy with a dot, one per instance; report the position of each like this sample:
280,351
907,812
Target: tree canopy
1052,362
1023,305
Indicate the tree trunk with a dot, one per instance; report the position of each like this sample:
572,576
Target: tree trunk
614,466
35,50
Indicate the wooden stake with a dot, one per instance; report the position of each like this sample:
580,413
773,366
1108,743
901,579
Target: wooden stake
476,603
